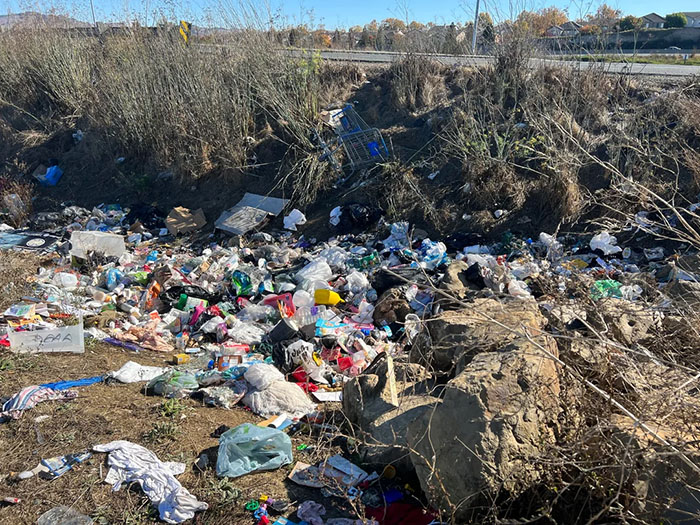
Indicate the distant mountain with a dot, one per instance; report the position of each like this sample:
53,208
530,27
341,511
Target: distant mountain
32,19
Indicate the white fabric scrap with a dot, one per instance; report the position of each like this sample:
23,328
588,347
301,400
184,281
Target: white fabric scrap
133,372
129,462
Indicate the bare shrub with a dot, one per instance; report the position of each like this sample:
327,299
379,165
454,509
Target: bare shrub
417,82
16,200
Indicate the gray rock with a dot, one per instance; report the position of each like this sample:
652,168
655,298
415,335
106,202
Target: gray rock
382,425
489,324
495,417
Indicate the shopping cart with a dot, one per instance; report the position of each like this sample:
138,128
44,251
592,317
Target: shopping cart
363,146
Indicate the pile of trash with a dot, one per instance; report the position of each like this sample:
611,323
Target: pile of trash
272,321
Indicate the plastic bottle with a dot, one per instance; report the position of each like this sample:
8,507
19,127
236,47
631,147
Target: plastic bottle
307,315
129,309
241,283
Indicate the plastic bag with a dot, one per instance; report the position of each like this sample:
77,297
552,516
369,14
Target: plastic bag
317,270
294,219
519,289
605,243
335,256
244,332
226,395
606,288
63,516
174,383
280,397
261,376
356,282
248,448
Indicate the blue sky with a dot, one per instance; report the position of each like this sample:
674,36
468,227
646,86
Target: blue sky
331,13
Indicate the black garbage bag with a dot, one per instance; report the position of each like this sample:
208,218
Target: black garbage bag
382,280
357,216
150,216
171,296
457,241
282,358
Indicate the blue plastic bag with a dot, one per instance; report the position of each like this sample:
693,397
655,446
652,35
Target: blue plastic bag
248,448
52,176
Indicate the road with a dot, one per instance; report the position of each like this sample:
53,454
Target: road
385,57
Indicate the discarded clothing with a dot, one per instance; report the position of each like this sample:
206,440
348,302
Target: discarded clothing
146,336
122,344
129,462
311,512
31,396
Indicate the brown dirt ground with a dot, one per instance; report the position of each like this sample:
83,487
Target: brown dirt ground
103,413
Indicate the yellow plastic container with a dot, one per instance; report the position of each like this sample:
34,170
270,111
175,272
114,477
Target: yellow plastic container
327,297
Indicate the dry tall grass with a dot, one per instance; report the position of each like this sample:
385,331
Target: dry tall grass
197,110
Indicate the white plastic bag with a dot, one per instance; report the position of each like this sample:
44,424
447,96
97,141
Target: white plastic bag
262,375
280,397
317,270
294,219
133,372
356,282
605,243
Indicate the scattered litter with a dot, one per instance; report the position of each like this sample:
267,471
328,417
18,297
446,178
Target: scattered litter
29,397
605,243
311,512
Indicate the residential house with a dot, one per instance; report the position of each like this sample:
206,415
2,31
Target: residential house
554,31
693,18
569,28
653,21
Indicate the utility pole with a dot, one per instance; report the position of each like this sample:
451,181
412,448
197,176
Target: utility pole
94,20
476,24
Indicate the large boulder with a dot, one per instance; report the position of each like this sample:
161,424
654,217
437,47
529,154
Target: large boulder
488,324
684,294
625,321
380,418
495,417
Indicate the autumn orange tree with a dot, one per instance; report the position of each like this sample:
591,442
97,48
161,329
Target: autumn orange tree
537,22
605,17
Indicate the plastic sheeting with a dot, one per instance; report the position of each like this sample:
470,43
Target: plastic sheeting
248,448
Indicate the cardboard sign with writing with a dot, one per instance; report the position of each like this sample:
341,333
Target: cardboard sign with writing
64,339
